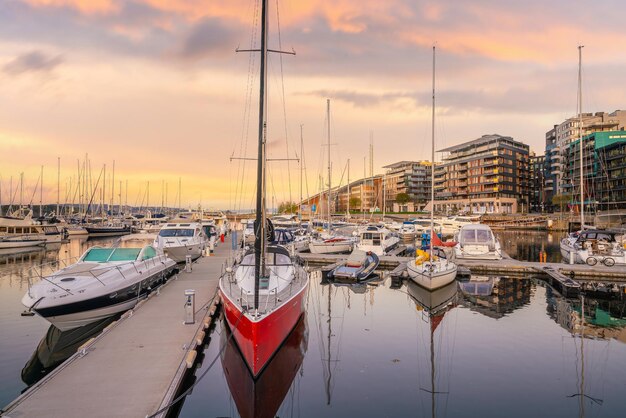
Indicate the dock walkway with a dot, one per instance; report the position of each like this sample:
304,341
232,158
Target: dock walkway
134,366
506,266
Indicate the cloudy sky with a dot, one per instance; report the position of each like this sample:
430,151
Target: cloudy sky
157,86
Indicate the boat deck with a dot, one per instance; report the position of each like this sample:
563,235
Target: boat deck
138,363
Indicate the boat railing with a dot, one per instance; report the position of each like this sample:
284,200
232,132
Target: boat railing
43,270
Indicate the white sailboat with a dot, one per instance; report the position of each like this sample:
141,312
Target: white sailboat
434,271
589,246
329,243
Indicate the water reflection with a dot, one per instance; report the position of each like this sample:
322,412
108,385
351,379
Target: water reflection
261,397
434,306
57,346
527,245
504,296
603,319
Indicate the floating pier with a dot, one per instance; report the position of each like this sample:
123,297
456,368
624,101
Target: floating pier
504,267
136,366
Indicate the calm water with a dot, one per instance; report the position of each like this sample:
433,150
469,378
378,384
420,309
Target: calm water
370,352
501,347
20,335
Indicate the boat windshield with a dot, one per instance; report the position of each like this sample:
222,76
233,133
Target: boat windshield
481,236
176,232
103,255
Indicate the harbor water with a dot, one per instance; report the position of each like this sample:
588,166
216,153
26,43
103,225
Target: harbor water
491,347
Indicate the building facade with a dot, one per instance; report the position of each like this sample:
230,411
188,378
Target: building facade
559,138
490,174
604,171
410,177
536,191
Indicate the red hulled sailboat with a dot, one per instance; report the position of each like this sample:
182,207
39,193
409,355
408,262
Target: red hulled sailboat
263,294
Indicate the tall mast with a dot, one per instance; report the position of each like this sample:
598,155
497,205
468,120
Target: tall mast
21,189
259,240
112,190
432,169
41,194
580,131
329,167
179,192
348,206
301,169
58,184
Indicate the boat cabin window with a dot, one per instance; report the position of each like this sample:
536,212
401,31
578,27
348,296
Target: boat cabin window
374,238
176,232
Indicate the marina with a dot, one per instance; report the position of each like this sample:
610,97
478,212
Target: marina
454,243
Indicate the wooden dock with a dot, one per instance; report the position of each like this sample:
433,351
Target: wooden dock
504,267
136,366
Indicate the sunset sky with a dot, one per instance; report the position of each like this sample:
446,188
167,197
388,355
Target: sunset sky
156,85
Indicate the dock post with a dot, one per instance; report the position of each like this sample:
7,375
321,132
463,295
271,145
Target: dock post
190,306
571,257
188,267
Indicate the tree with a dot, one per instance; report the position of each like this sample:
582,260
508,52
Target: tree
355,203
288,207
561,199
403,198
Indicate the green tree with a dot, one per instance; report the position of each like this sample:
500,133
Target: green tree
403,198
355,203
288,207
561,199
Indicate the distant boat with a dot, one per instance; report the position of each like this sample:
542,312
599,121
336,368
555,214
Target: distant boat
359,266
107,230
429,270
376,239
103,282
178,240
477,242
21,242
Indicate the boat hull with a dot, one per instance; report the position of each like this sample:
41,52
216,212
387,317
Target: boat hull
442,274
259,338
180,253
79,313
330,248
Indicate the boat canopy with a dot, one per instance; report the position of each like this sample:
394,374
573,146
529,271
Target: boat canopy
105,255
476,234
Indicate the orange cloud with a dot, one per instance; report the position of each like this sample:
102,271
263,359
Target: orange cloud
84,6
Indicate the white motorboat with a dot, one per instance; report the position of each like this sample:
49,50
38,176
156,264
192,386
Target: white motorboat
593,246
103,282
407,231
20,225
477,241
377,240
178,240
331,245
21,242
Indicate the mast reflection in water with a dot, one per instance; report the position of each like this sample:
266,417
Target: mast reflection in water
261,397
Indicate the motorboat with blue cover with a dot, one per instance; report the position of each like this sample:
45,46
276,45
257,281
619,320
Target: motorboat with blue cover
103,282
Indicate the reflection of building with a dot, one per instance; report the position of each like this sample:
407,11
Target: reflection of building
487,175
508,295
604,319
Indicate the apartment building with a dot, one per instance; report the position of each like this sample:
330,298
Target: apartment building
410,177
487,175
